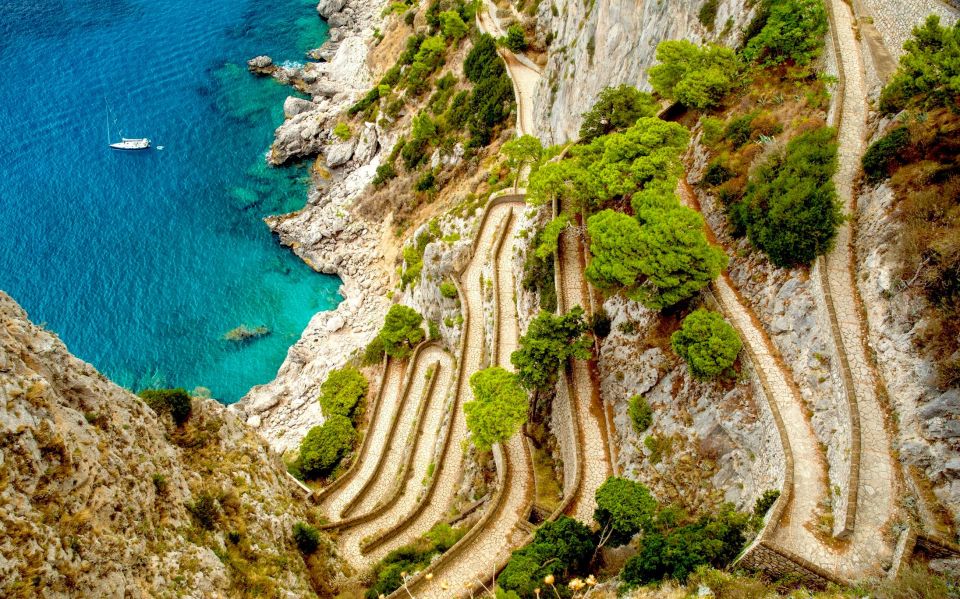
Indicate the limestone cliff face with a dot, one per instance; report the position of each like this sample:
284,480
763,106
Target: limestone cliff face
95,487
609,42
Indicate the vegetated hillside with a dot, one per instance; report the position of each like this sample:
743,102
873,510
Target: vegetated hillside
102,496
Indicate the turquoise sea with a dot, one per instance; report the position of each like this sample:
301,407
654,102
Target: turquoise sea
142,261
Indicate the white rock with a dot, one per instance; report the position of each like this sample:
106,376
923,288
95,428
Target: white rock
254,421
326,8
293,106
335,323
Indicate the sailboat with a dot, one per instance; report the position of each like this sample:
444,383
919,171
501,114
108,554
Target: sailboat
126,143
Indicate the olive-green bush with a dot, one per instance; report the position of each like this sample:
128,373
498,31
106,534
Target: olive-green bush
707,343
342,391
176,402
324,446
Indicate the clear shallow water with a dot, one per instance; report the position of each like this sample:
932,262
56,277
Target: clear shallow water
142,261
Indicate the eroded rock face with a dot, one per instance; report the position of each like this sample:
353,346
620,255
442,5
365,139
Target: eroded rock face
95,489
609,42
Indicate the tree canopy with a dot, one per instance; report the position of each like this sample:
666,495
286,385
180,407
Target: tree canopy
342,391
498,408
624,508
324,446
549,342
929,73
175,401
401,331
707,342
559,548
696,76
616,109
662,261
793,30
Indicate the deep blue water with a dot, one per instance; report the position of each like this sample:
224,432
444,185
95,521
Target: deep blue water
142,261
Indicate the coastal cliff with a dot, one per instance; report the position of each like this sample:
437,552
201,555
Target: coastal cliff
103,497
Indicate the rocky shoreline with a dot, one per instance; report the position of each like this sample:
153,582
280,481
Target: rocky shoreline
325,233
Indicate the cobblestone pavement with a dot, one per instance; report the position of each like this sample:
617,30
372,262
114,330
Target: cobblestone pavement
504,531
878,483
420,459
333,504
810,476
593,435
895,19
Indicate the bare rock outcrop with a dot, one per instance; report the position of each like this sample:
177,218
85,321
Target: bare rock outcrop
96,488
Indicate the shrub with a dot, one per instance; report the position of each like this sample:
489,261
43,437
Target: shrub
739,131
600,323
765,502
342,391
482,61
929,73
695,76
516,38
559,548
176,402
794,30
677,551
452,25
640,413
884,153
708,13
550,341
205,509
624,508
707,343
324,446
342,131
498,408
306,537
409,558
790,209
550,237
385,172
448,290
717,173
401,331
426,182
616,109
373,353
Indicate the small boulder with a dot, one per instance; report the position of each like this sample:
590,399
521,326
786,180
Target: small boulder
261,65
335,323
293,106
326,8
340,153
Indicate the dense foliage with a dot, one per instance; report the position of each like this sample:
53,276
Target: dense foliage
696,76
660,260
790,209
492,98
550,341
498,408
559,548
674,549
793,30
765,502
929,73
616,109
410,558
401,331
342,391
176,402
624,508
516,39
323,447
707,343
883,154
306,537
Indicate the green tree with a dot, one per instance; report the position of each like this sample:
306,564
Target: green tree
324,446
696,76
549,239
707,343
676,551
550,341
794,30
616,109
790,209
452,25
659,262
482,62
516,39
401,331
499,406
624,508
306,537
559,548
523,151
342,391
175,401
929,73
640,413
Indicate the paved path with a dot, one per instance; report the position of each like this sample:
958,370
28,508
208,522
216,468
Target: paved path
878,485
593,436
399,486
502,531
